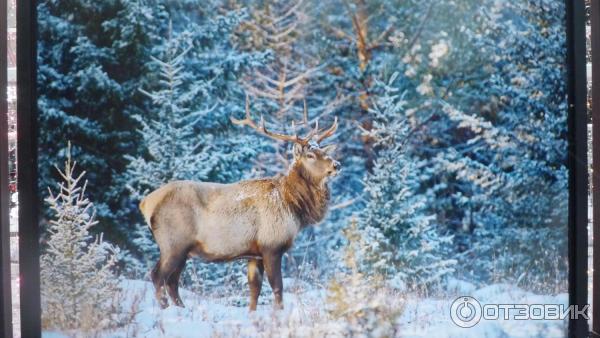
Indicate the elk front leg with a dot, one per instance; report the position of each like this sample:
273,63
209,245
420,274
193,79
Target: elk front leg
255,278
273,268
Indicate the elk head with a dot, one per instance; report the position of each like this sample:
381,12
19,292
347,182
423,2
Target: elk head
308,153
317,161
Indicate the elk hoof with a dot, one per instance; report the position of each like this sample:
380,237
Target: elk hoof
179,303
163,302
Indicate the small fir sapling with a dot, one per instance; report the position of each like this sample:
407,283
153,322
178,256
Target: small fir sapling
78,281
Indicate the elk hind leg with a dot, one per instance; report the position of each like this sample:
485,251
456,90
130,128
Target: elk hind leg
159,291
167,265
173,283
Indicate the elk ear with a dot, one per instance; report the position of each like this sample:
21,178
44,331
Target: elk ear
298,150
330,149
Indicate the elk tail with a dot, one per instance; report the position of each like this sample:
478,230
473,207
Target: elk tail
144,211
151,201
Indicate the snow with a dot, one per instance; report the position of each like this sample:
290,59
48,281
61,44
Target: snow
205,316
460,287
305,315
430,317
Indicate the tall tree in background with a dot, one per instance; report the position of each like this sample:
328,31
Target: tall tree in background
286,89
528,103
489,121
403,241
364,42
91,58
216,66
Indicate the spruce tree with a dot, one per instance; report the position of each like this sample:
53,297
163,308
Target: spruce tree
404,241
92,58
78,281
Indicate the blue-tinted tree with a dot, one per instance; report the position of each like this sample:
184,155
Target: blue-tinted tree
92,57
403,241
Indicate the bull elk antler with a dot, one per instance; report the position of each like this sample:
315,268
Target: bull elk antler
261,129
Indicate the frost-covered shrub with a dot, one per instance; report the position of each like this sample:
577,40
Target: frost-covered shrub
78,282
520,256
361,302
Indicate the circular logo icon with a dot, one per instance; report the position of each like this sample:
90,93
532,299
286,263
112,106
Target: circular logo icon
465,311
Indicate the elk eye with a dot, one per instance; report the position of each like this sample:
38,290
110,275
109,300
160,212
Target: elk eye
310,155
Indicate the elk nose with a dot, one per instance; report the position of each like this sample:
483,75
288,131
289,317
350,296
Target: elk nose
336,165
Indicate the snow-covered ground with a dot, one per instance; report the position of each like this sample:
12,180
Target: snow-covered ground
305,315
431,317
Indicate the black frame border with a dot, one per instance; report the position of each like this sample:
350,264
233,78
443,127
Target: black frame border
577,161
27,166
29,248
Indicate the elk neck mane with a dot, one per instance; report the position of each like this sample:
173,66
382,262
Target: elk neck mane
306,196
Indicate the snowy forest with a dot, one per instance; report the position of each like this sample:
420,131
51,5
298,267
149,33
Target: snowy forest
452,141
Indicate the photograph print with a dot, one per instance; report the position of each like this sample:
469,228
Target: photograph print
302,168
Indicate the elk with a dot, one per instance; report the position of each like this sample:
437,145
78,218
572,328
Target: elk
254,219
